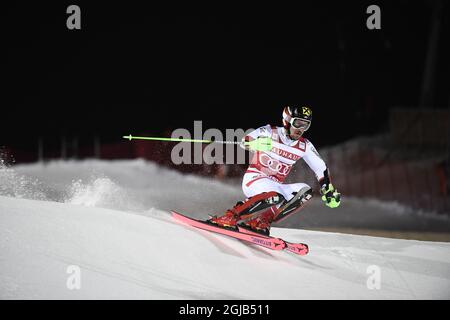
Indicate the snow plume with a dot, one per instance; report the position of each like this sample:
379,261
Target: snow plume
99,192
13,184
90,189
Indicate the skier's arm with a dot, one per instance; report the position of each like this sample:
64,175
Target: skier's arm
314,161
265,131
329,194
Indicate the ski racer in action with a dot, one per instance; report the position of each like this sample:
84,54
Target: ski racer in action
268,198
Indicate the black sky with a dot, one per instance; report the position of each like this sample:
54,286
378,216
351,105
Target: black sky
133,69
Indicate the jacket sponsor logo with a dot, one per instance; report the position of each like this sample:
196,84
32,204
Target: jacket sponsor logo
302,146
274,165
285,154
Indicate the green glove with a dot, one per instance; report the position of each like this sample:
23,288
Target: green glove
330,196
260,144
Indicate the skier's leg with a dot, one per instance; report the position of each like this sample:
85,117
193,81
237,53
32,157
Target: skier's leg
261,192
290,190
298,200
255,184
276,198
247,208
295,194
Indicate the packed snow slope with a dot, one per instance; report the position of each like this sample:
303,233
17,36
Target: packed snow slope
129,248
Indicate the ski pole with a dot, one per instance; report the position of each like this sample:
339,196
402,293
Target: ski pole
259,144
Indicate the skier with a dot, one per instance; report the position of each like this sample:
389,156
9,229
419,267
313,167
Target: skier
268,198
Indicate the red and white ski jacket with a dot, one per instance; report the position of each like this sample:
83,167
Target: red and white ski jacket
285,152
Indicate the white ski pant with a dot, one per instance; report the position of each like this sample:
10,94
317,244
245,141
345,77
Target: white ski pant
256,183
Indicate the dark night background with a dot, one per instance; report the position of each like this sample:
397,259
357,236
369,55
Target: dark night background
133,69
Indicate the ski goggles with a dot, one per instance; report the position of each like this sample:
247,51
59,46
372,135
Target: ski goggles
299,123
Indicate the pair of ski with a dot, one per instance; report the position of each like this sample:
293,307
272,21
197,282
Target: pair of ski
246,235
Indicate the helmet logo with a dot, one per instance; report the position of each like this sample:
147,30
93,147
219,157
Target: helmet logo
306,111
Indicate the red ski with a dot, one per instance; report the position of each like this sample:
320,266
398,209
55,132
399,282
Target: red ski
297,248
261,240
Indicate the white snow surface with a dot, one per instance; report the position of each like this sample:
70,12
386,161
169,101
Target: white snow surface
111,220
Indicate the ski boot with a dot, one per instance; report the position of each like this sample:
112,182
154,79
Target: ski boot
259,224
228,220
